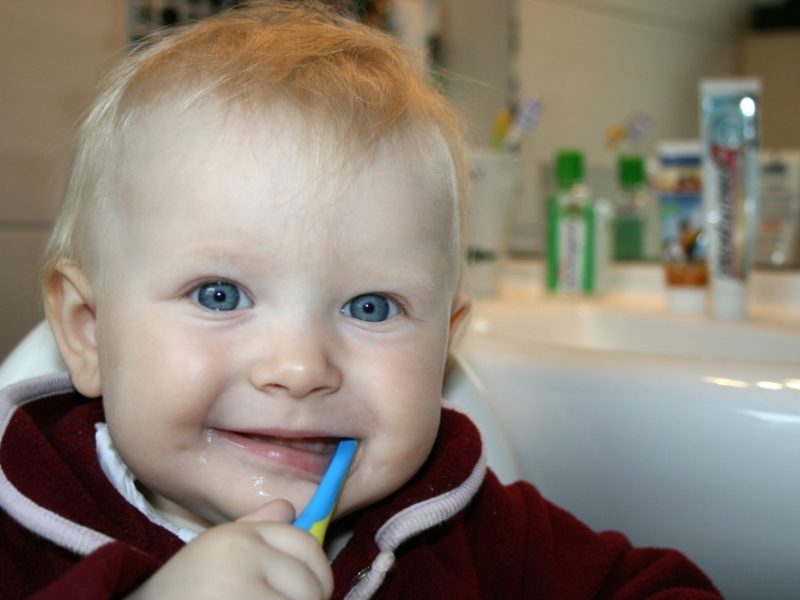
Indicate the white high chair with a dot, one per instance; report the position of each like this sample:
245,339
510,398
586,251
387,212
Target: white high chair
37,354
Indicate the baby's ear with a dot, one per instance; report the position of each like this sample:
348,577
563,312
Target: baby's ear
70,309
459,317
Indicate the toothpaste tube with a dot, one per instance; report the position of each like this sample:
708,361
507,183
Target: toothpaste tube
683,238
729,129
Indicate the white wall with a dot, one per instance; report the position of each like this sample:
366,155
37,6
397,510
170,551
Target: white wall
593,63
52,55
477,56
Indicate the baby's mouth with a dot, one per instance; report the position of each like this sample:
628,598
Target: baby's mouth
315,445
310,455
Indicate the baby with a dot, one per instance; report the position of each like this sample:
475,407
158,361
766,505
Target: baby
258,255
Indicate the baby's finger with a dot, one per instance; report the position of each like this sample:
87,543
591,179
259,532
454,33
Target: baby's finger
302,558
276,511
292,577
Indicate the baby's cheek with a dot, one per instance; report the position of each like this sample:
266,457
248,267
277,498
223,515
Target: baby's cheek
369,485
384,473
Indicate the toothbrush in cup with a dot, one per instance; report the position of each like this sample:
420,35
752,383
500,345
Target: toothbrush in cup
317,514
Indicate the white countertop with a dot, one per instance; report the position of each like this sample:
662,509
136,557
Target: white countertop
774,296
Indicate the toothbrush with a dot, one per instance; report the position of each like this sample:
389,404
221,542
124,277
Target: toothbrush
317,514
502,121
525,121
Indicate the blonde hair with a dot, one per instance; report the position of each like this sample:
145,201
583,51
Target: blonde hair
331,69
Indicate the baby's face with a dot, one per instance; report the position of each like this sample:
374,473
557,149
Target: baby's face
250,319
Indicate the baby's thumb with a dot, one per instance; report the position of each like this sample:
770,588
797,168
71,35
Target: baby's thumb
280,511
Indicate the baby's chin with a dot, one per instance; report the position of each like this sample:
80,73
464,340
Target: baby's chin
190,515
356,496
275,506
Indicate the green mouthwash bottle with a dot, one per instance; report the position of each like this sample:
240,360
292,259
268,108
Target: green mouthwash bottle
571,228
632,203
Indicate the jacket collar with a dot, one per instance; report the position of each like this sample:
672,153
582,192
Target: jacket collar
442,488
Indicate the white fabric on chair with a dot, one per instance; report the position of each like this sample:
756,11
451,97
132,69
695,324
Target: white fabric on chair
35,355
463,389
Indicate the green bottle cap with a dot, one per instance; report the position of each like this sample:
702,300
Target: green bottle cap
569,168
630,170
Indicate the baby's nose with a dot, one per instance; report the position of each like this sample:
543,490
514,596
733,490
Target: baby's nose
298,367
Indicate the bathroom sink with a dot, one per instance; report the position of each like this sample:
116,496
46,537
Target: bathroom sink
680,432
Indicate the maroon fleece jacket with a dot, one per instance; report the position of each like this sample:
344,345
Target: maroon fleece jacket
452,532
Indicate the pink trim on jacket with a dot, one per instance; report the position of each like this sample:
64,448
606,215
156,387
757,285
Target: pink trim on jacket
414,520
43,522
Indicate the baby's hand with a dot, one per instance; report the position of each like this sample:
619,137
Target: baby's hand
259,556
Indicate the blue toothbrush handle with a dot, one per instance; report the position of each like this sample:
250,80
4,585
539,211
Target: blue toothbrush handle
317,514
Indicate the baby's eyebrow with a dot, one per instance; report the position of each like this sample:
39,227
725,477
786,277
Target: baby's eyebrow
410,278
385,277
214,255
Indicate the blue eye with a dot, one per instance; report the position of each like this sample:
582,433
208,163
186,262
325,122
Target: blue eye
370,307
221,296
